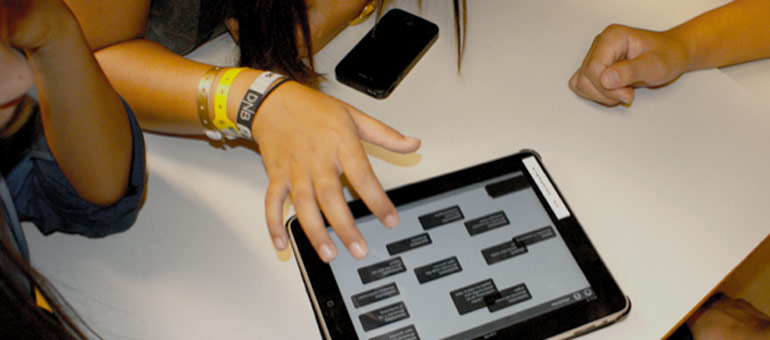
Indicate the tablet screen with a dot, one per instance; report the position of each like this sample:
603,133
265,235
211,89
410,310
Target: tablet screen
460,265
488,252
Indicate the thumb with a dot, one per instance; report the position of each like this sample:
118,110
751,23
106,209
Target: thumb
645,70
375,132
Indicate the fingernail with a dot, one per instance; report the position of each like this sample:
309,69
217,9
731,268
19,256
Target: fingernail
279,243
413,140
625,101
390,221
357,249
327,253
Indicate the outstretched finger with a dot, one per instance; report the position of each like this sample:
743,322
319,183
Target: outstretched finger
359,172
376,132
309,216
328,190
276,195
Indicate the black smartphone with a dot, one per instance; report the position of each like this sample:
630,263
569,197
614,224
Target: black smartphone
386,54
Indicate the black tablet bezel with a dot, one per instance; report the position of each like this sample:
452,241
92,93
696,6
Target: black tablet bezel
323,290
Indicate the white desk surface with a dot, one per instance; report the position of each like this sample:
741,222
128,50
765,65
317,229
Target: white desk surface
672,191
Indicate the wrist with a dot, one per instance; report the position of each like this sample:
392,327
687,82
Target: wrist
252,100
223,112
228,100
682,50
275,103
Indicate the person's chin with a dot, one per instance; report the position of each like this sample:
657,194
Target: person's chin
14,115
5,116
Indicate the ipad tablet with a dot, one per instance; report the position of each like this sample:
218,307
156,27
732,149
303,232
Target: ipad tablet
488,252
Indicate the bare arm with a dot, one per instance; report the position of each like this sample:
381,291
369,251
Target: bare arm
85,122
164,92
735,33
622,57
159,85
307,139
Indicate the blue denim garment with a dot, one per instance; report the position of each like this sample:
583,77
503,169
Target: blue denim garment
43,195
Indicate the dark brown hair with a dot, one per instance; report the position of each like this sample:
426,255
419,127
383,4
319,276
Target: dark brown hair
20,315
267,36
461,30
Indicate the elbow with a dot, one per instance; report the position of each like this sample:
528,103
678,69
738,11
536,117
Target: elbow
106,190
105,179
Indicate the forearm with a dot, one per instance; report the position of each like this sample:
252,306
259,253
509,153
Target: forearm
735,33
84,120
162,87
159,85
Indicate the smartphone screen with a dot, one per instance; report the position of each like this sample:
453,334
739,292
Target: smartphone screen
386,54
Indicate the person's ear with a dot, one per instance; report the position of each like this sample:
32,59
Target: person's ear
232,26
